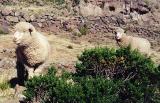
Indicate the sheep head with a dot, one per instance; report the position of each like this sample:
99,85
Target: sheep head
23,32
119,33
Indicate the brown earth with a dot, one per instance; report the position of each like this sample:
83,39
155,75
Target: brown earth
61,56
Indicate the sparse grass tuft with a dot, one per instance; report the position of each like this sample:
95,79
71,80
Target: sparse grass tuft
147,2
4,85
2,32
83,30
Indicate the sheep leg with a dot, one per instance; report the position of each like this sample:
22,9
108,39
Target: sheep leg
21,72
38,71
30,71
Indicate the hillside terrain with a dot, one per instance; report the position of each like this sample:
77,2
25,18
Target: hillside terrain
70,32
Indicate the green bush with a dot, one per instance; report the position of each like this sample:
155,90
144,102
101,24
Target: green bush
83,29
51,89
4,85
103,76
59,2
117,64
139,74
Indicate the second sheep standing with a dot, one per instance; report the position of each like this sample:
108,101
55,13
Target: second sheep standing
141,44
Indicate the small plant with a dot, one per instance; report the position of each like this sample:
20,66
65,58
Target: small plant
70,30
147,2
2,31
59,2
83,29
78,34
156,6
4,85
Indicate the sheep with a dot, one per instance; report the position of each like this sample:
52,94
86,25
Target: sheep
88,9
141,44
32,50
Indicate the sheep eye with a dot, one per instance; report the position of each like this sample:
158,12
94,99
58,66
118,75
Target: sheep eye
30,30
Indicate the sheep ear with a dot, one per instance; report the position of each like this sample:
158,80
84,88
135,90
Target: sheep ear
30,30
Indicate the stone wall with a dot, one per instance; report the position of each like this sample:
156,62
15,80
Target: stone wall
4,2
50,23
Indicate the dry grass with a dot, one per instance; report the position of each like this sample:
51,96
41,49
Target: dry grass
60,53
60,49
5,90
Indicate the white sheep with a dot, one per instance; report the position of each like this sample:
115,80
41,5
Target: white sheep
141,44
32,49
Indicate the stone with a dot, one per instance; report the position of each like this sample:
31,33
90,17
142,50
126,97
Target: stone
42,20
7,63
45,17
21,19
21,14
17,13
76,32
26,17
54,28
143,10
6,12
134,16
141,7
40,3
40,25
50,17
4,29
12,19
15,1
32,18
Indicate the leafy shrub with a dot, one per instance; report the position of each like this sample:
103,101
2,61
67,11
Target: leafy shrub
139,74
47,88
83,29
51,89
59,1
117,64
103,76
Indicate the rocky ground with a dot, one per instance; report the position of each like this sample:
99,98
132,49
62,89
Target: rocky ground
65,32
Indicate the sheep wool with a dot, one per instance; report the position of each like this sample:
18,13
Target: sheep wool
141,44
32,47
